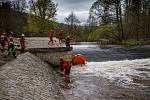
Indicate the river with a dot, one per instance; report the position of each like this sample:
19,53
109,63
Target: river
115,73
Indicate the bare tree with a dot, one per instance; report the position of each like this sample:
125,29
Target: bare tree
72,22
19,5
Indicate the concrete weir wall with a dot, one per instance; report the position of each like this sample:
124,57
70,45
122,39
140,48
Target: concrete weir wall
28,78
51,55
53,58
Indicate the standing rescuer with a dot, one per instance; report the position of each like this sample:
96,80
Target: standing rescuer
65,67
61,62
68,40
11,47
3,40
51,38
22,42
60,36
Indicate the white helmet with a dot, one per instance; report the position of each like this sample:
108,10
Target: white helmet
22,35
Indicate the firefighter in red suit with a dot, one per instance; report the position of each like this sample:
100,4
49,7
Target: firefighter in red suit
61,62
3,41
60,36
67,68
51,38
22,42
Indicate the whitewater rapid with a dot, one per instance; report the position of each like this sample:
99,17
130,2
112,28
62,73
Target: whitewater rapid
123,72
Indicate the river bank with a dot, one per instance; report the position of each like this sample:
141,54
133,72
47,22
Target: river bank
114,73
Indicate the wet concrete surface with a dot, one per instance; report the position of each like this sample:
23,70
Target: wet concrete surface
42,42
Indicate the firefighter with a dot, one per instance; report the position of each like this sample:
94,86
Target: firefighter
60,36
22,42
67,68
68,40
11,48
51,38
61,62
3,41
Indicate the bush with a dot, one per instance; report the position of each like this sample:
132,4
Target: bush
33,27
104,32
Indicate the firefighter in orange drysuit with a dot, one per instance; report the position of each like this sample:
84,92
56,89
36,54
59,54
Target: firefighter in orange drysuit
51,38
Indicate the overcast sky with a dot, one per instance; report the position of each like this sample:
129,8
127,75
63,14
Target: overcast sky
79,7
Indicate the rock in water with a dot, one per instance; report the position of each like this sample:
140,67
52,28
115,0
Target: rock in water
28,78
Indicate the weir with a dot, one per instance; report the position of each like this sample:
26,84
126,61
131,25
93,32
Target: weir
51,55
48,53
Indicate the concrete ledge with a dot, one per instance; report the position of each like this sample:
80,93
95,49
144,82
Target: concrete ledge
51,55
53,58
48,50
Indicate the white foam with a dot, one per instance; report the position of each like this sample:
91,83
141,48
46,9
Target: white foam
84,46
121,72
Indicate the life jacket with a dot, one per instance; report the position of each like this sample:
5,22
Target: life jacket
67,40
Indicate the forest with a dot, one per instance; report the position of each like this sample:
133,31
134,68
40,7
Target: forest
119,21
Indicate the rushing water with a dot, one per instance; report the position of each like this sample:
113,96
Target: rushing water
96,54
127,73
124,66
114,73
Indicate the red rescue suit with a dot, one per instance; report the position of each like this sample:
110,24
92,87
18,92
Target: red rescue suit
22,43
51,38
3,40
61,62
67,68
60,36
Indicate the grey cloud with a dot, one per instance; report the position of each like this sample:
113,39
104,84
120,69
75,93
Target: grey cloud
79,7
